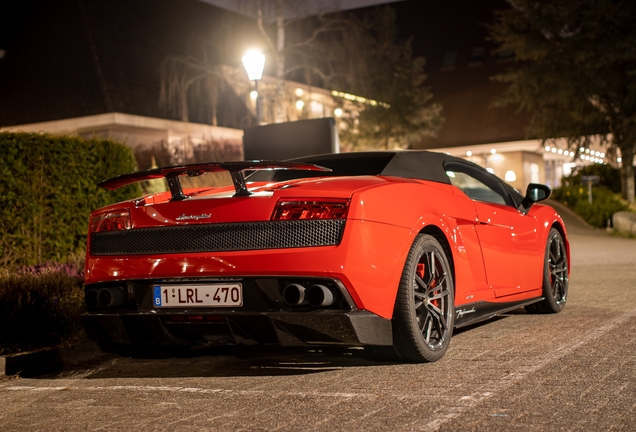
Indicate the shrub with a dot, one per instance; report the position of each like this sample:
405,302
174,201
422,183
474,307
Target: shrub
604,203
48,189
570,194
40,306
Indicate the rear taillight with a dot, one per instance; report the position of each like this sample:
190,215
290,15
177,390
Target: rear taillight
294,209
111,221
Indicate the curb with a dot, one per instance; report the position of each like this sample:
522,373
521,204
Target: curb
624,222
47,360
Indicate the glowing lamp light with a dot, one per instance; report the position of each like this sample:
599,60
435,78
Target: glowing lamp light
619,160
469,153
299,92
547,148
299,105
337,112
493,151
253,94
510,176
254,62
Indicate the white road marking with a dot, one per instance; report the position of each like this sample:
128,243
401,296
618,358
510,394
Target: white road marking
466,403
187,390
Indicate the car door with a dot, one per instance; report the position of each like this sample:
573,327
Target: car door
508,238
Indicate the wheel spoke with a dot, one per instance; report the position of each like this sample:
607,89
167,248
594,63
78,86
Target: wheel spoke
440,325
430,268
428,326
420,282
435,310
556,247
552,257
439,295
439,283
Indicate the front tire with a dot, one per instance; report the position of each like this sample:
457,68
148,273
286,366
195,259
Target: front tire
555,276
424,313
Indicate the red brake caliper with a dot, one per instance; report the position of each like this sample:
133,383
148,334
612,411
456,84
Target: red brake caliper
421,272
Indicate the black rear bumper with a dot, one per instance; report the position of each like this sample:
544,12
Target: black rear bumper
350,328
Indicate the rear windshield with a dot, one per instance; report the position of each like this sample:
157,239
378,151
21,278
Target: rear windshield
371,165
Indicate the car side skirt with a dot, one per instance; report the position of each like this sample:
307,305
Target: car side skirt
472,313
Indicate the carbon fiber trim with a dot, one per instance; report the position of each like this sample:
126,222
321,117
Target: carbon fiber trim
219,237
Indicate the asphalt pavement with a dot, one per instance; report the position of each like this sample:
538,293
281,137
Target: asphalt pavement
571,371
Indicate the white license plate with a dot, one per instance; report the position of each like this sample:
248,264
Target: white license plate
193,296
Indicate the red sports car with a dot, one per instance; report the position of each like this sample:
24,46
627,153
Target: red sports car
386,250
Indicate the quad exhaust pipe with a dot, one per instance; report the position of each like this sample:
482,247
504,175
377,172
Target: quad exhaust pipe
105,297
319,296
316,296
294,295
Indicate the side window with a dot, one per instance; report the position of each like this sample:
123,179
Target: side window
477,185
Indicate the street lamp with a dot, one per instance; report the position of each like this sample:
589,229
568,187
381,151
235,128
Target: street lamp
254,62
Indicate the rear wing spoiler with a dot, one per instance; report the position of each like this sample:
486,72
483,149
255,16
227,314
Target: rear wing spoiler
172,174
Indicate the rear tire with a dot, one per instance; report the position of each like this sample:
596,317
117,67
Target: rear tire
424,313
555,276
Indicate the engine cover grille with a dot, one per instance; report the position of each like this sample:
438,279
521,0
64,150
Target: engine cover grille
218,237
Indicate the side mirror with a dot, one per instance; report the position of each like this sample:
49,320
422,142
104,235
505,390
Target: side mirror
535,193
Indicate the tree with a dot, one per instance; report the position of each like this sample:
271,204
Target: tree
397,80
574,71
366,57
198,70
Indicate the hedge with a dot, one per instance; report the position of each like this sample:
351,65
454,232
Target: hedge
48,189
40,306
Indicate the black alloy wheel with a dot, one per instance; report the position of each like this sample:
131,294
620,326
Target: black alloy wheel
555,276
424,313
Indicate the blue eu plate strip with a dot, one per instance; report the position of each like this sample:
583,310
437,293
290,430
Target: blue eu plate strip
157,295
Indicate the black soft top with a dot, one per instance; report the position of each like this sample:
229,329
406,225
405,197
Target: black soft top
416,164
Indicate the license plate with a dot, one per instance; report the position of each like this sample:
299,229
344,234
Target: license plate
193,296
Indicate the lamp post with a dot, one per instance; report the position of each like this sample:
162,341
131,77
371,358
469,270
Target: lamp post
254,62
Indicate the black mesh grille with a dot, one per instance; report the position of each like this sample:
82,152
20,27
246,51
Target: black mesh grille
219,237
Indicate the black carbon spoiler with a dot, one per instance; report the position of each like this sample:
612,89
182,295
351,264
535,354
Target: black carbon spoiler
172,174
